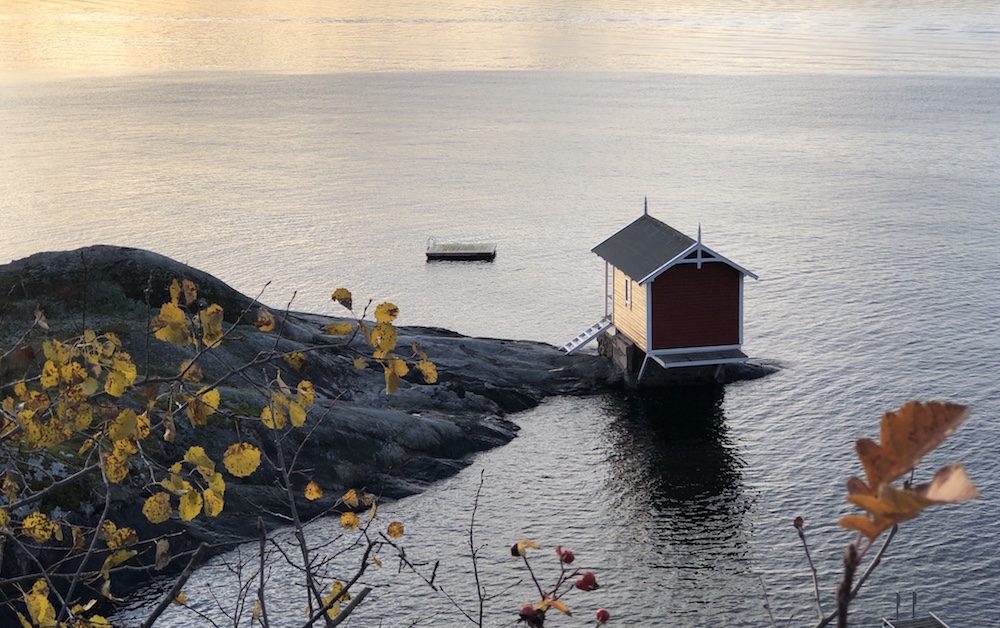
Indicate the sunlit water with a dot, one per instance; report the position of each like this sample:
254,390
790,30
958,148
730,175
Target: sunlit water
848,154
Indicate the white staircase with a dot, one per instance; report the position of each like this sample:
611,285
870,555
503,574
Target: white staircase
587,335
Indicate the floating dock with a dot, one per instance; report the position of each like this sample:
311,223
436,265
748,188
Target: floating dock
461,251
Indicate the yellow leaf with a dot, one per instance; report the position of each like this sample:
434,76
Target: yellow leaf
181,599
162,554
72,373
559,606
296,359
41,610
360,364
87,444
123,537
395,530
171,326
107,529
176,484
386,312
190,505
4,518
265,320
115,559
78,538
211,325
306,393
296,414
518,549
56,352
241,459
115,384
383,338
391,382
169,429
213,502
191,370
267,418
197,456
175,291
349,520
350,498
398,366
203,406
122,363
338,329
38,527
313,491
124,426
342,296
217,483
428,370
157,508
190,291
335,593
256,611
115,465
50,374
40,319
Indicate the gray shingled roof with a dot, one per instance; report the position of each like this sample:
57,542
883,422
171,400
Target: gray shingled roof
643,246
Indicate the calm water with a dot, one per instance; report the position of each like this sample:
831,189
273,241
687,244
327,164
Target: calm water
848,154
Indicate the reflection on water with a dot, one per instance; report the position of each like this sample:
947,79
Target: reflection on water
672,454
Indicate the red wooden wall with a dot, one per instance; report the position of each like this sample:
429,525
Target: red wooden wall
694,307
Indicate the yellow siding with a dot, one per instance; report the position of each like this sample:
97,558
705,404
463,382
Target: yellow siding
630,319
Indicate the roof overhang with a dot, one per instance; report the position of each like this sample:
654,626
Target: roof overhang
700,248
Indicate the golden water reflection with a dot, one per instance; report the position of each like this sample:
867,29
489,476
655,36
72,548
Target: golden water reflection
116,36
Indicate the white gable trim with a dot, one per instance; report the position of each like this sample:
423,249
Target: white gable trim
701,250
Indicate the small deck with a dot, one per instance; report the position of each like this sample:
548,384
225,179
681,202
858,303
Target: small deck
931,621
461,251
699,358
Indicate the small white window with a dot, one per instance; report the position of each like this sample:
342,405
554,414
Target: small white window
628,292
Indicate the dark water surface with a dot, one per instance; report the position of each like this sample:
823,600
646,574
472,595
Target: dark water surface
849,155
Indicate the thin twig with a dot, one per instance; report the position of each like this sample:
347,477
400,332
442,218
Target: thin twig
51,487
480,591
260,591
812,567
871,567
767,605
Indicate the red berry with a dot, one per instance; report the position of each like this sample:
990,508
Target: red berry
586,582
527,611
603,615
565,556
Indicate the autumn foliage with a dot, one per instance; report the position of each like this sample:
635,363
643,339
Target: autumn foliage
87,401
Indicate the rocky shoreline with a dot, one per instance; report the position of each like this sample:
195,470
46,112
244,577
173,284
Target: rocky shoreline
391,445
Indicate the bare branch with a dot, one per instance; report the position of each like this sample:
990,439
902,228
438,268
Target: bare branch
767,605
812,567
174,590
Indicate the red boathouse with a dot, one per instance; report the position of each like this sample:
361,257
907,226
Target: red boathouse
674,301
